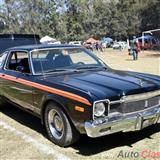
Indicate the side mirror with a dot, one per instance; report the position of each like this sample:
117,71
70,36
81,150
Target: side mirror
20,69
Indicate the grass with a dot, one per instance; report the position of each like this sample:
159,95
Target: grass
148,61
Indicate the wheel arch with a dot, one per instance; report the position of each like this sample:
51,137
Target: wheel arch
59,101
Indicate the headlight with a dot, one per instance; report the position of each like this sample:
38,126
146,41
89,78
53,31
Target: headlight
99,109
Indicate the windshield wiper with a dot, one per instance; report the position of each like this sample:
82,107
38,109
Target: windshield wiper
57,70
74,70
89,67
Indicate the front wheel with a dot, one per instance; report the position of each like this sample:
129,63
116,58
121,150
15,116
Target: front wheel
2,102
59,128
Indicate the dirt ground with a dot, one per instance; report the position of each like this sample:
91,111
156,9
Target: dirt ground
23,138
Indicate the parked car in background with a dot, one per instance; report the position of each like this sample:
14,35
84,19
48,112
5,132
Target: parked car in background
73,92
119,45
107,42
75,43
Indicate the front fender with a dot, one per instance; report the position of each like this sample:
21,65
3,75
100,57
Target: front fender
68,106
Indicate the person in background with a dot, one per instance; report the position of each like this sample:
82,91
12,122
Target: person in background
100,47
97,46
132,48
135,48
138,49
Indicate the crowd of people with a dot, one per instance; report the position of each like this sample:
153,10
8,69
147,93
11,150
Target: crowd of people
98,46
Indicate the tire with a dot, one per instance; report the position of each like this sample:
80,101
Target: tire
59,128
2,102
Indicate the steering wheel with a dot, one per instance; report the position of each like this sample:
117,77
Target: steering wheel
80,63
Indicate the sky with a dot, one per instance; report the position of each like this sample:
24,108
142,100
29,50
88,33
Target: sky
1,2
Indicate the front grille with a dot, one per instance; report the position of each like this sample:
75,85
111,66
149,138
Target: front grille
128,107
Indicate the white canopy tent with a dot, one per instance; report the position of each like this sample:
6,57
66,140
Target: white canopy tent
49,40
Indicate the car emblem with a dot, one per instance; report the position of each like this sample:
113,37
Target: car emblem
141,83
146,104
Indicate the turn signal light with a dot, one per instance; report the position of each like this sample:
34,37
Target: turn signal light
80,109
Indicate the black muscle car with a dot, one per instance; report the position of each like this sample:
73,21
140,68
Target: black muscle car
74,92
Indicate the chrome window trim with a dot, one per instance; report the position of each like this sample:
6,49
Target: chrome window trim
31,63
7,58
6,52
43,49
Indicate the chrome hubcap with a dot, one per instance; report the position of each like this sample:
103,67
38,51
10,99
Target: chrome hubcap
56,125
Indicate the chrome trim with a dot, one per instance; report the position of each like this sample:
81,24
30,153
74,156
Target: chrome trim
55,124
26,91
141,110
103,101
29,62
43,49
124,123
143,96
63,47
129,98
6,52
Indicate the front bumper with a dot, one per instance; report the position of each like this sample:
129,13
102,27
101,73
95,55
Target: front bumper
124,123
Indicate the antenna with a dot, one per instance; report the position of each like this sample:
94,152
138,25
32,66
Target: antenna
35,39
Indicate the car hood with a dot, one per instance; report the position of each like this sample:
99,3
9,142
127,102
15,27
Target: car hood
105,84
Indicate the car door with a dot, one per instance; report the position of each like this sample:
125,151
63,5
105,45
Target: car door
14,89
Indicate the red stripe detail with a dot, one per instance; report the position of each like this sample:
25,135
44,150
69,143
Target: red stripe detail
46,88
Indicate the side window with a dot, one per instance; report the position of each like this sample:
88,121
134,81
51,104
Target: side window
2,59
17,60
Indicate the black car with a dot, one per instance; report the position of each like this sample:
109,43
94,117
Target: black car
12,40
74,92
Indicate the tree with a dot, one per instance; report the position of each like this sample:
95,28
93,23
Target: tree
68,20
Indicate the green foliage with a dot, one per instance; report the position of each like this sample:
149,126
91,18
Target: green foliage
79,19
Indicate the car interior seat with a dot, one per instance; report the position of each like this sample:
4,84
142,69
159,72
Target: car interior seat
24,62
62,61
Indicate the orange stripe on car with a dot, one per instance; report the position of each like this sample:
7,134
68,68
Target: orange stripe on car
47,88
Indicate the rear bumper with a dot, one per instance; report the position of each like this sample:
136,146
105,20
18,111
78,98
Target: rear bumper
124,123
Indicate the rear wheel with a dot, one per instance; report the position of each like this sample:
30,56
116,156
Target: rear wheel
59,128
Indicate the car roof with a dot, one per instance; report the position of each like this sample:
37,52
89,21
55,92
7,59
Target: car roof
42,46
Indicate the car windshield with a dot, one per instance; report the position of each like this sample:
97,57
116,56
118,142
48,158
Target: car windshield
64,59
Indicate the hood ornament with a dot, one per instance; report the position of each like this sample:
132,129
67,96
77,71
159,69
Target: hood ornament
141,83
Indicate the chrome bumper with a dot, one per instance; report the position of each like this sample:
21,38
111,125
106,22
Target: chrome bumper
124,123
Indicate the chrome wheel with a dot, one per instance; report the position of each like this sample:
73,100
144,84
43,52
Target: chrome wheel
56,125
59,128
